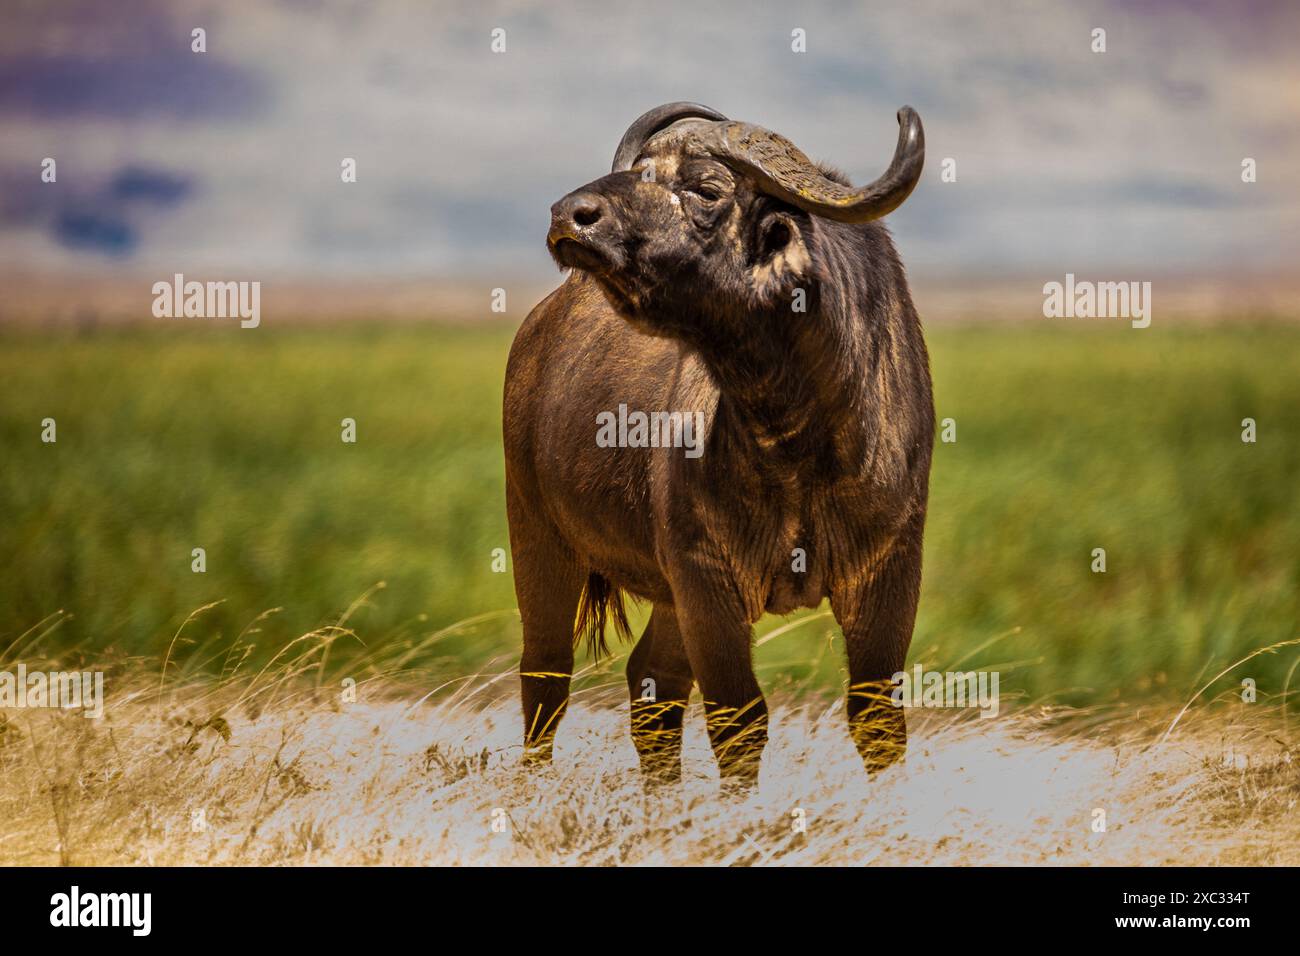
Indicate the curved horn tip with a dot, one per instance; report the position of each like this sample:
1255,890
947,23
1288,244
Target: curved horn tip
909,119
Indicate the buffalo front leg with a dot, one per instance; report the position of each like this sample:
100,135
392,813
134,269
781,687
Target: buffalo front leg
877,618
548,585
717,639
659,681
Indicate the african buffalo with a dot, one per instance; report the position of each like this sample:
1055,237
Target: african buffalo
719,273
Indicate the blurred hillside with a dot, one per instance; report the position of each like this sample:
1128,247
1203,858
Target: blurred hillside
113,297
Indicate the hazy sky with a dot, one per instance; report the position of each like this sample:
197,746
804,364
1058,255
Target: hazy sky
226,164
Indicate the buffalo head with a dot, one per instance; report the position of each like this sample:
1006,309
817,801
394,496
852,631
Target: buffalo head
704,219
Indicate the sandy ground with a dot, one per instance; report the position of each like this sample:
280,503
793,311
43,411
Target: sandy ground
287,776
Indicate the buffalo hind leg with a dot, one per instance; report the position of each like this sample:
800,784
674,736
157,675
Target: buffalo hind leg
547,585
877,620
659,681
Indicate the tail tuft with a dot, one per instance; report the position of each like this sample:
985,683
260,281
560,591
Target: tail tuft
600,600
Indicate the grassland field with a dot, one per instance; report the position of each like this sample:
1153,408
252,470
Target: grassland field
1068,438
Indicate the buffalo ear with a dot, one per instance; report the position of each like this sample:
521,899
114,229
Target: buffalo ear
781,260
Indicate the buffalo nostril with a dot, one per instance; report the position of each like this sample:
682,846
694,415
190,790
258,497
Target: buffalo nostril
587,213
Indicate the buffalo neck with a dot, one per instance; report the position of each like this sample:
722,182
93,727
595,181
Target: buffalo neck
798,387
814,386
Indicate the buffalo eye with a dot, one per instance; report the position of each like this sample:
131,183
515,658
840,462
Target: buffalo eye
706,192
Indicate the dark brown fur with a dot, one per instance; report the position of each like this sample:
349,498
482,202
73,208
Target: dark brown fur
818,436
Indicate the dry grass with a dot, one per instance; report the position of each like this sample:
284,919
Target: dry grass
283,772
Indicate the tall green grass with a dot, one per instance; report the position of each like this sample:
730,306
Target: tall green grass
1069,438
